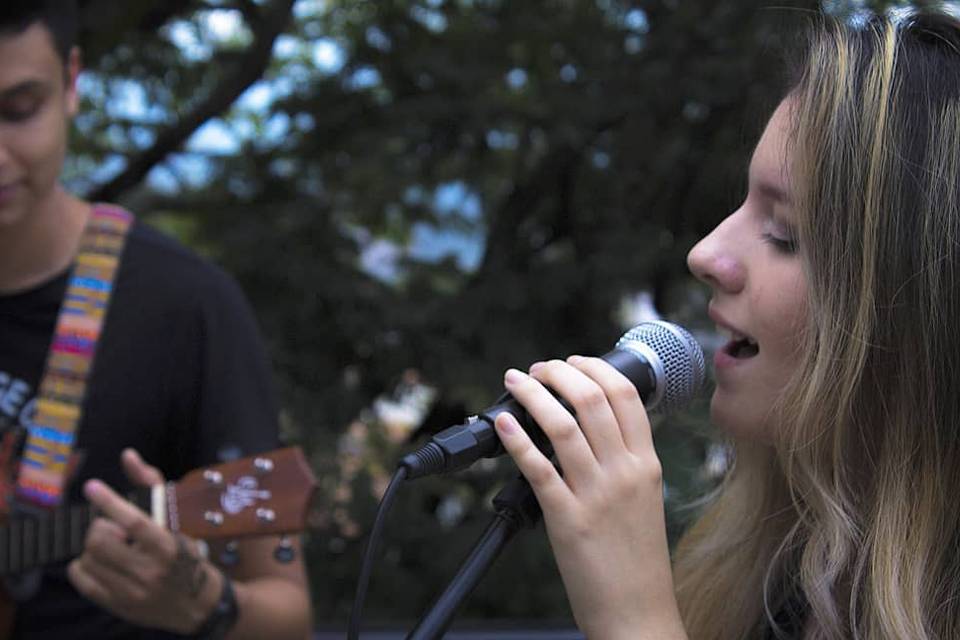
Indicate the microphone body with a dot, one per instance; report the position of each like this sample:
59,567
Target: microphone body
661,359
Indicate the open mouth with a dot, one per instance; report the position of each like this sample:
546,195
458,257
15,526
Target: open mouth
741,347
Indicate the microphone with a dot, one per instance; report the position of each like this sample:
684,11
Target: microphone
661,359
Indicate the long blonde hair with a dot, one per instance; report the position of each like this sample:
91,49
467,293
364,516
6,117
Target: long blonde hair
849,527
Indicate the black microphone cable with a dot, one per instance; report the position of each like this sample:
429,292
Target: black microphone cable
423,457
366,569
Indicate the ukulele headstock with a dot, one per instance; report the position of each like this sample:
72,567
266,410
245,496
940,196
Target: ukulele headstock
265,494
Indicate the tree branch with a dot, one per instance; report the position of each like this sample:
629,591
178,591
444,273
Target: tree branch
249,67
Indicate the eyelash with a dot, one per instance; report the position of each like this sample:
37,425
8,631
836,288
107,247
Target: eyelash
19,115
783,245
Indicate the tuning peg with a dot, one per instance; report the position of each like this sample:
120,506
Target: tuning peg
230,555
284,552
263,465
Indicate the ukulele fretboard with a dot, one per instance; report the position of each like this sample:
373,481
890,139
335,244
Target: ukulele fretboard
34,538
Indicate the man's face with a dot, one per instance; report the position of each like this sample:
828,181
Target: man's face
37,99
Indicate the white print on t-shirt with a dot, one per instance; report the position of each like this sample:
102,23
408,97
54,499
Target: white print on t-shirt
244,494
16,399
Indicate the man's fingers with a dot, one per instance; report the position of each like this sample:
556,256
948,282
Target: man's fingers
105,585
111,504
139,472
138,526
107,544
86,584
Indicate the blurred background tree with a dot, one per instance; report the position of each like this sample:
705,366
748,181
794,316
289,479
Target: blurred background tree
417,194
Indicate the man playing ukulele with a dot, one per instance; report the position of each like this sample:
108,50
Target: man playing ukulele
179,378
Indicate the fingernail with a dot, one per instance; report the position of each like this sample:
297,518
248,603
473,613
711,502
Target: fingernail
575,359
506,424
92,487
513,376
535,366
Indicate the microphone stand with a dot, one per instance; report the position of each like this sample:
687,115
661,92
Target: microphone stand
516,508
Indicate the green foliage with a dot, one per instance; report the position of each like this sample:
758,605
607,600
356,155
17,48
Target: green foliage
582,146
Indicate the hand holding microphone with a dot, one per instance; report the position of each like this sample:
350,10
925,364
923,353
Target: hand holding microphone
661,360
604,514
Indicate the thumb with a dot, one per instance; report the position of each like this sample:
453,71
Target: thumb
139,472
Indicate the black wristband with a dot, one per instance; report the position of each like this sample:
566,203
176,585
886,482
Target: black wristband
223,616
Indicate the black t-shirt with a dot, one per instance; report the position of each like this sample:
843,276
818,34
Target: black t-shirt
180,374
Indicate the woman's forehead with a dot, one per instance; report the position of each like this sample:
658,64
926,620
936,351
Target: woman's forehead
769,167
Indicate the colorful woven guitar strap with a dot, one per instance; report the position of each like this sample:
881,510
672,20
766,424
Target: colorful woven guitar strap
46,454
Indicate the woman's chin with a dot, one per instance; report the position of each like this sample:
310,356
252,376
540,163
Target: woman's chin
736,421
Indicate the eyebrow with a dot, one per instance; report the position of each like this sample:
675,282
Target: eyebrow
768,189
774,192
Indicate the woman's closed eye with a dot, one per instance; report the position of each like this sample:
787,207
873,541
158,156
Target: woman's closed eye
780,235
783,244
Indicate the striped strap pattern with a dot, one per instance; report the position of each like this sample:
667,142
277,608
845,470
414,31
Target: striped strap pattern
44,465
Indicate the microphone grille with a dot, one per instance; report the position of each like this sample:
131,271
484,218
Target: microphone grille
680,370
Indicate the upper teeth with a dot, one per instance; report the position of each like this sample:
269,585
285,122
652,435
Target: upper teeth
737,337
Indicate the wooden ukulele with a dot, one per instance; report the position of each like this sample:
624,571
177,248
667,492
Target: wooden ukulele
267,494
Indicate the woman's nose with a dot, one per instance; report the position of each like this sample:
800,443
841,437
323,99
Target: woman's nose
715,261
